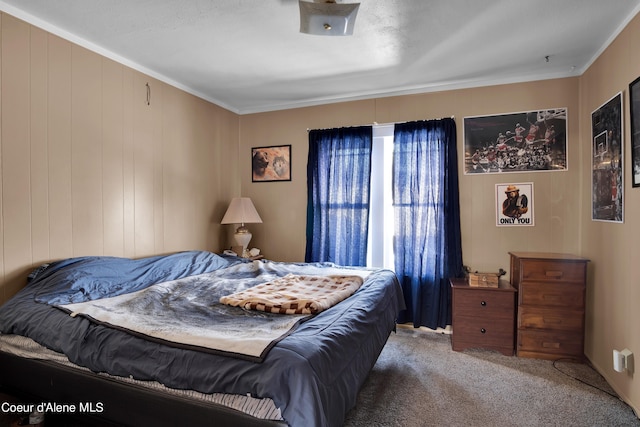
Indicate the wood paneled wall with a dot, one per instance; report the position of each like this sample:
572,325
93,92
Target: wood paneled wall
88,167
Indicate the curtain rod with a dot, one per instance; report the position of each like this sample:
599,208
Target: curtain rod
390,123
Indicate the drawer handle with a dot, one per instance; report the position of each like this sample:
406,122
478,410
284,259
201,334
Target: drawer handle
483,303
551,345
554,274
483,330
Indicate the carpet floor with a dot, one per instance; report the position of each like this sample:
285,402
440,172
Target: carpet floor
419,381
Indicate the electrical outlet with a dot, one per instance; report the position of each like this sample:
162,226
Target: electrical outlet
628,360
623,360
618,361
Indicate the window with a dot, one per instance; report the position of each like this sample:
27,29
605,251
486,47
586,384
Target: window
380,246
411,194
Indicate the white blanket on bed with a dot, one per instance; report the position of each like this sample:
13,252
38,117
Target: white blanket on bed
186,312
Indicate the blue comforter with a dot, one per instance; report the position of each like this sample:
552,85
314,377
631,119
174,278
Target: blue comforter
313,375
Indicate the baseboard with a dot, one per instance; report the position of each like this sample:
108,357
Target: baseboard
622,396
446,330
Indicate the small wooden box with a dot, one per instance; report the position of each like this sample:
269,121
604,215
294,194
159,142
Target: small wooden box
489,280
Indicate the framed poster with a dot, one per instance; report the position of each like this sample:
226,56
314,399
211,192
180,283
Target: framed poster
516,142
634,110
271,163
607,161
514,205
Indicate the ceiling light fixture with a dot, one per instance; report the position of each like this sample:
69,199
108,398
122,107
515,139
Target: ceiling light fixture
327,18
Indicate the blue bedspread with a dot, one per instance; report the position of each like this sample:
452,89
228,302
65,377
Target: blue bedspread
313,375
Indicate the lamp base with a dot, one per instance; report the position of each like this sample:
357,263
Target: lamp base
242,237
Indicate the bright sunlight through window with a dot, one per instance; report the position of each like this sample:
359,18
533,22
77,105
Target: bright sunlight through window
380,245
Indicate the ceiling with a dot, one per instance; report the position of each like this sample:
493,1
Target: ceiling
249,56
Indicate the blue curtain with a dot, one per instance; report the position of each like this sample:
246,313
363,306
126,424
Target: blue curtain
338,175
427,243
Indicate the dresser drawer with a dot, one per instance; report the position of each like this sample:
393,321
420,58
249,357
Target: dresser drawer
484,304
549,345
471,332
558,294
550,318
552,271
482,329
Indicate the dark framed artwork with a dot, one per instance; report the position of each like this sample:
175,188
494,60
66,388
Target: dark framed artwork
634,109
271,163
527,141
607,175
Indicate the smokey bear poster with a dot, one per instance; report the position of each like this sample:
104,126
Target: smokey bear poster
514,205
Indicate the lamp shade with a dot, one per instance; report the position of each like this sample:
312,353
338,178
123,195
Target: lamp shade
241,211
327,18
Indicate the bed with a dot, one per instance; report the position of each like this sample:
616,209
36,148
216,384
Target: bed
55,345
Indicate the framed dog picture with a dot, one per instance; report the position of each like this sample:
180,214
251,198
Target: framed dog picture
271,163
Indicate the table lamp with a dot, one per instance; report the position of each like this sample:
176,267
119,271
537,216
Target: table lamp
241,211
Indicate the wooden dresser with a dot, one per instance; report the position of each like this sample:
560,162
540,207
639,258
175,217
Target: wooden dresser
551,298
483,317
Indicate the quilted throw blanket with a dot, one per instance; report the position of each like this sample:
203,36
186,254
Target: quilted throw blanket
296,294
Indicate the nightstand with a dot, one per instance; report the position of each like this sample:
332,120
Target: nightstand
483,317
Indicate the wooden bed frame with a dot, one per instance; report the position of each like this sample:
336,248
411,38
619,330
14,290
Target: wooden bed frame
122,403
